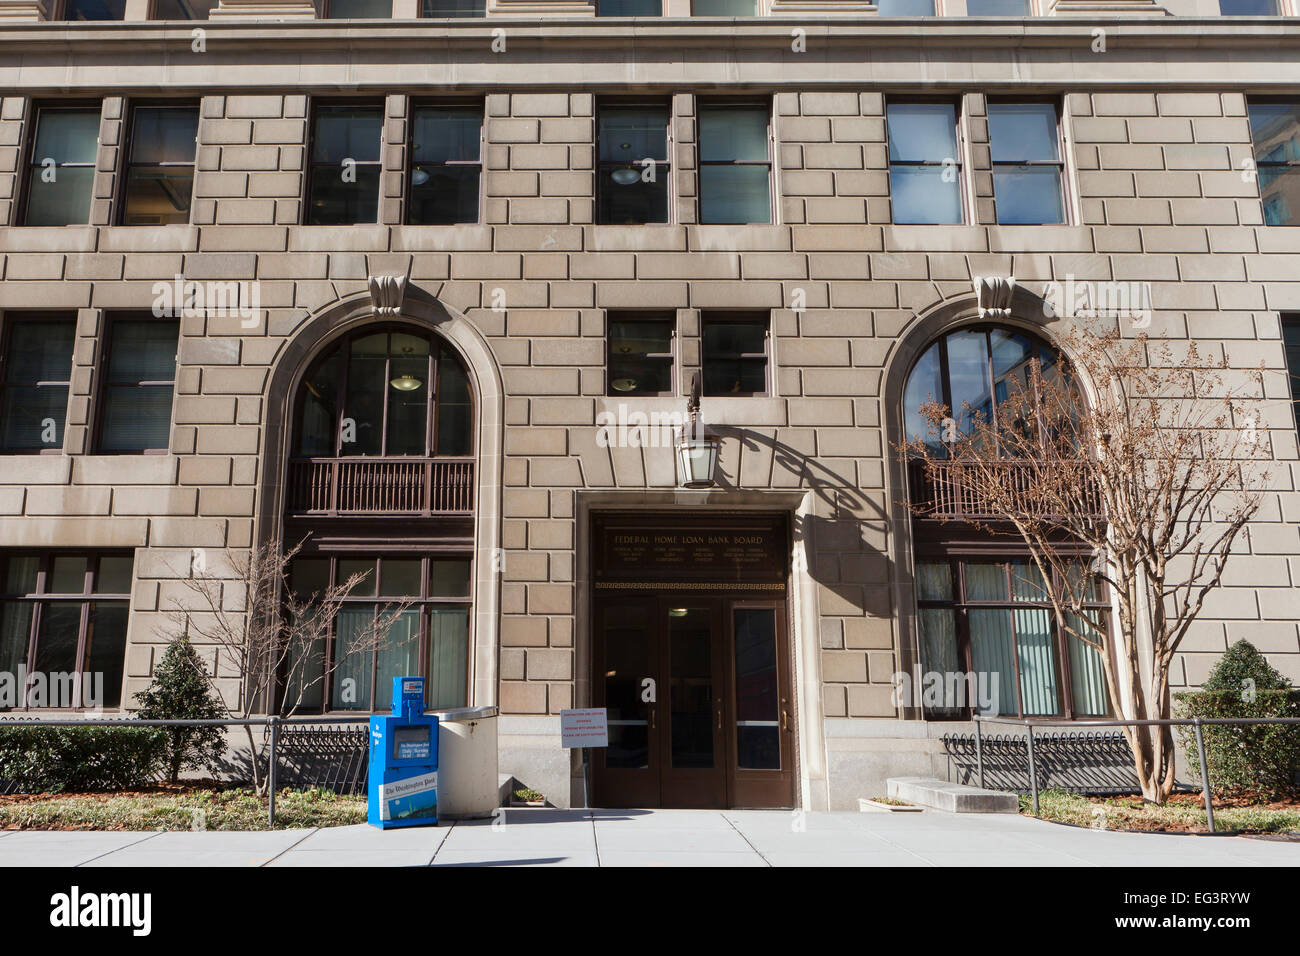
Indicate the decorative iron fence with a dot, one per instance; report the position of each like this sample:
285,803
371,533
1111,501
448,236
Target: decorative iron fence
374,486
944,490
1091,764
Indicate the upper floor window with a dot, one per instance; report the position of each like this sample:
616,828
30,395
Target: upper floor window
61,166
139,378
446,163
1248,8
160,165
1291,347
629,8
64,616
343,176
924,162
735,163
998,8
1275,130
356,9
35,369
1028,171
905,8
183,9
734,353
439,9
633,168
640,360
93,10
724,8
386,393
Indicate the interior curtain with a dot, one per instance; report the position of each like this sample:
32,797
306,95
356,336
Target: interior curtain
1037,655
992,645
1087,677
351,678
448,656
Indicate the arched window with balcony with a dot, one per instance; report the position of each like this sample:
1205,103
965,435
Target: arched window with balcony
984,622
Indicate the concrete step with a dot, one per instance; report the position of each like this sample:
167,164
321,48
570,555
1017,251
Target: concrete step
950,797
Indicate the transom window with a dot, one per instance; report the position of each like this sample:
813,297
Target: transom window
385,392
63,620
430,637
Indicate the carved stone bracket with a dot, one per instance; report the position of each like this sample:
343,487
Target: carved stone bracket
387,293
993,296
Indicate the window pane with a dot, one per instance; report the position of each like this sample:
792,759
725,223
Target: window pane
339,201
61,201
1036,647
351,679
450,577
925,195
56,644
15,630
67,575
309,577
143,351
1087,676
1248,8
629,8
997,8
631,133
360,9
408,404
968,379
66,136
924,385
114,575
1028,195
94,9
733,133
448,657
445,134
400,578
934,581
758,715
20,574
734,338
366,587
32,418
724,8
922,132
1275,130
630,373
347,132
734,194
136,418
1279,190
399,656
640,376
992,646
627,198
1026,582
106,652
319,404
158,196
938,627
164,135
183,9
905,8
735,377
1023,131
985,582
39,351
363,409
305,687
1291,344
638,337
455,411
443,194
454,8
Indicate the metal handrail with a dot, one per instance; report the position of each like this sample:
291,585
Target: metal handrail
1029,723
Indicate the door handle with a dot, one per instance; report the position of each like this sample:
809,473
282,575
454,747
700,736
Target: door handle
785,720
652,718
719,718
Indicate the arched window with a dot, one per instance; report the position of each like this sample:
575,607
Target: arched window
389,392
987,633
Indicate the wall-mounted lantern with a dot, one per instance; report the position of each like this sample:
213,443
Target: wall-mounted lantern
697,450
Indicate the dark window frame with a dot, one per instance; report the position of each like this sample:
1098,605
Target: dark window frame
111,319
764,104
423,602
311,166
32,161
434,103
1277,11
665,165
757,10
1060,163
153,14
959,141
423,14
127,164
86,598
736,317
638,315
8,320
62,14
599,14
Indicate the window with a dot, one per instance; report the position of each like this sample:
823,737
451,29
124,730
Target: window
1275,130
387,392
431,637
629,8
63,623
183,9
437,9
998,8
160,169
633,169
640,359
905,8
1248,8
735,163
734,353
139,378
990,617
968,372
924,163
94,9
724,8
1291,347
35,368
1027,166
445,167
61,167
357,9
343,178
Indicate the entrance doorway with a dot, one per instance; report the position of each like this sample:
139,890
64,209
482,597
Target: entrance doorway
695,675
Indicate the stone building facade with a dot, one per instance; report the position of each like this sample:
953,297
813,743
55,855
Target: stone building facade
1156,172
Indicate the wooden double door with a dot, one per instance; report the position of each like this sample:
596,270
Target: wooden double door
697,688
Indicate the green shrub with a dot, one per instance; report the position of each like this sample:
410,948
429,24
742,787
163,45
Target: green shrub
180,691
1260,757
59,759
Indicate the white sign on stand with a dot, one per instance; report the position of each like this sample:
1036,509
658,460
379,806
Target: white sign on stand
584,728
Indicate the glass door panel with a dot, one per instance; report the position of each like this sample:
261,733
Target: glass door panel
628,645
758,708
691,687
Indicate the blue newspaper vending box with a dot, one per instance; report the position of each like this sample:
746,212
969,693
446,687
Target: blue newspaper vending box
404,760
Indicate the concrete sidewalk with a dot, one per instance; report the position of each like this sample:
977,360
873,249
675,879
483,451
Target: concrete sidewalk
658,838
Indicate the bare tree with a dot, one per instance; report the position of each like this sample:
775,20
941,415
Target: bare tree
1144,485
269,635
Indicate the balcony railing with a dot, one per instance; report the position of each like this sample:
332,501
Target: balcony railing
944,491
380,486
